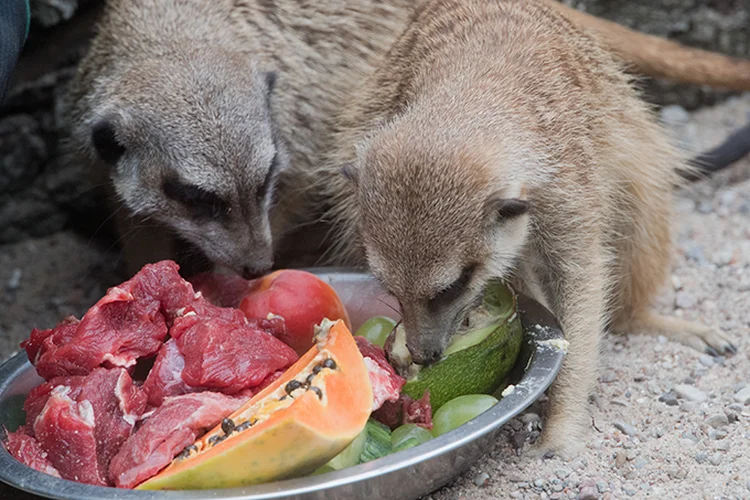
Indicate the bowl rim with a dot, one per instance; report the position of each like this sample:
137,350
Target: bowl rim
540,327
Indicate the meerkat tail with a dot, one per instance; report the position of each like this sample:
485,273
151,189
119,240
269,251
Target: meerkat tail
657,57
734,148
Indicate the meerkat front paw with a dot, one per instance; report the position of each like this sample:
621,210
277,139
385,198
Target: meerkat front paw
564,440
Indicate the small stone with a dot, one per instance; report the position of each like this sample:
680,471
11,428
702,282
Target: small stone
578,464
657,432
602,487
723,257
14,283
661,339
717,421
589,493
695,253
706,360
705,207
562,473
690,436
701,457
573,479
743,396
736,407
738,386
629,489
539,483
481,479
530,418
626,428
516,425
640,463
619,402
669,399
519,438
516,494
692,393
733,417
515,478
608,376
620,459
716,434
676,472
688,406
684,300
724,445
715,459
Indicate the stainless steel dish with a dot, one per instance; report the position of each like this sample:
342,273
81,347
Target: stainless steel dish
405,475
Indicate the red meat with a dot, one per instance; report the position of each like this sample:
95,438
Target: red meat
173,426
386,383
229,356
39,395
225,290
165,377
406,411
27,450
65,430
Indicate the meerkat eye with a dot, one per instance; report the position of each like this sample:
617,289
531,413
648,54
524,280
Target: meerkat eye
454,290
202,204
505,209
105,141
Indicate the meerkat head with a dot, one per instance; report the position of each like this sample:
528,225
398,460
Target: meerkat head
188,141
436,222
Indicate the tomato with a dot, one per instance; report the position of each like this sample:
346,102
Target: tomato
301,298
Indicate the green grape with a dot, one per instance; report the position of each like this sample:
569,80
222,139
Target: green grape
460,410
409,435
376,329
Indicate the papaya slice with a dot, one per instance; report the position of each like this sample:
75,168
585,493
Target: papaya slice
289,429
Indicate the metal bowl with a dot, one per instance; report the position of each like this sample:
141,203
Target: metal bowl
404,475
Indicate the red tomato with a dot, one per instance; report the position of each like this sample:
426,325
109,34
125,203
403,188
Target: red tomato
301,298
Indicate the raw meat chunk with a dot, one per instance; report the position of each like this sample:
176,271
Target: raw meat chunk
386,383
173,426
165,377
39,395
406,411
229,357
65,430
27,450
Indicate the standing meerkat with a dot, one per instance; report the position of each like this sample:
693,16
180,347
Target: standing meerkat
497,139
175,111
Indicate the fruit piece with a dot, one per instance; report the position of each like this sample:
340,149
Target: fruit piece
408,436
476,361
460,410
378,442
301,298
291,428
376,329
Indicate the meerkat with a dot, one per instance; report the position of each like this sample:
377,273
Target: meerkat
499,139
175,111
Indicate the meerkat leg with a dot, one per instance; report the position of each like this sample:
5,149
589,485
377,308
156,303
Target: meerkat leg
575,287
643,262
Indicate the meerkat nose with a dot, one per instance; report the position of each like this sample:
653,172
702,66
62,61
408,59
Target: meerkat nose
247,273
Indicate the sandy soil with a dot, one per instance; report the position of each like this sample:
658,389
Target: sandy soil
670,422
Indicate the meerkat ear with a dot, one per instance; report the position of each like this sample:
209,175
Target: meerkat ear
106,144
271,80
349,173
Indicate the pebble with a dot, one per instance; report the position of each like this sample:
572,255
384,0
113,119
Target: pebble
530,418
578,464
716,434
539,483
481,479
743,396
690,436
715,459
695,253
562,473
723,257
688,406
668,399
620,459
515,478
705,207
589,492
701,457
739,386
724,445
684,300
608,376
736,407
640,463
692,393
516,494
14,283
717,421
626,428
519,438
629,490
706,360
602,487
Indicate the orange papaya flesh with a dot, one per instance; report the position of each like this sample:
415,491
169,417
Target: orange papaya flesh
289,429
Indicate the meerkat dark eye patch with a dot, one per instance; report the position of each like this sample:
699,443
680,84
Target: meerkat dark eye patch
201,203
454,290
105,142
501,209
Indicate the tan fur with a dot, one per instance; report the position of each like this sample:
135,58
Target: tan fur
185,81
479,102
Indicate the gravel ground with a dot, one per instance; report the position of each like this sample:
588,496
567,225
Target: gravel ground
669,422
